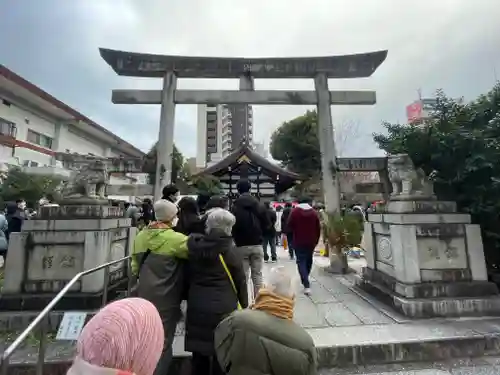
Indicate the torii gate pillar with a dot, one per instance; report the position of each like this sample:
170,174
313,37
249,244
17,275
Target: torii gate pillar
331,184
165,147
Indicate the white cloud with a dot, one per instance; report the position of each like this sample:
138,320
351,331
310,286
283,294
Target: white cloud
449,44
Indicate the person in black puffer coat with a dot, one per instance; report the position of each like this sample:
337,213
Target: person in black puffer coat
211,295
189,219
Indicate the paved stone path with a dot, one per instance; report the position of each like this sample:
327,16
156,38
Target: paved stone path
338,316
476,366
332,303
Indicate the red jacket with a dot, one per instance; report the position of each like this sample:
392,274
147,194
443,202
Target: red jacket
305,227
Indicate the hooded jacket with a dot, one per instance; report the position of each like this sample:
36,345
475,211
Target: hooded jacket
211,295
253,342
305,227
161,277
252,221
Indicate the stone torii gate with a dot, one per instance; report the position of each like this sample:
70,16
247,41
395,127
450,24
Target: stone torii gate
246,70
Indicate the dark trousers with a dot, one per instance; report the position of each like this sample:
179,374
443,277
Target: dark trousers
169,326
205,365
291,252
304,264
271,240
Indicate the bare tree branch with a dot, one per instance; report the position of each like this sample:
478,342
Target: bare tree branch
345,133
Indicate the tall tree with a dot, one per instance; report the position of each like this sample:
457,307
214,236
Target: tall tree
178,170
32,188
207,185
461,142
296,144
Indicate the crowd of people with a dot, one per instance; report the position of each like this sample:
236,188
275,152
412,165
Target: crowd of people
204,252
11,221
12,218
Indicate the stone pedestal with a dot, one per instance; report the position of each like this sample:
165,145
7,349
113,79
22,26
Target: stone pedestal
57,245
427,260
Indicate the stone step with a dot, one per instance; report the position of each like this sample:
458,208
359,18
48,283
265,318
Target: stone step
340,347
421,308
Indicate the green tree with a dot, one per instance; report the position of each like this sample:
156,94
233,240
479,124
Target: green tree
207,184
32,188
295,144
178,170
461,142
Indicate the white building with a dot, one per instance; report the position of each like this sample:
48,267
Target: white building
220,130
260,148
34,126
213,134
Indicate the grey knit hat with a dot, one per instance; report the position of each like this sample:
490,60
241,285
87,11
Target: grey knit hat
165,210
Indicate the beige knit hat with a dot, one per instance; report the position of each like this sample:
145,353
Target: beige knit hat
165,210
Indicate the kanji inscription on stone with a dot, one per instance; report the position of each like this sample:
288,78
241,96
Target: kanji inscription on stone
451,252
434,253
47,262
67,261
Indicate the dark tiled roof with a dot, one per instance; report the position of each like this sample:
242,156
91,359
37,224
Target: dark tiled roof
245,150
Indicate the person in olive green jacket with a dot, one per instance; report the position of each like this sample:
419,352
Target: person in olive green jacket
264,340
158,263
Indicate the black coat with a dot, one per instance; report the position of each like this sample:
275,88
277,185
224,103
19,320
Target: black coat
272,217
190,224
251,221
211,296
15,219
284,220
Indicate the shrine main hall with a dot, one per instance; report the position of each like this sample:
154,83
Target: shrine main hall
268,180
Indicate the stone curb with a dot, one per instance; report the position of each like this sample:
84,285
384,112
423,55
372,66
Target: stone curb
338,356
416,351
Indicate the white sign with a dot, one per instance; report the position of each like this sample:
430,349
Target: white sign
71,325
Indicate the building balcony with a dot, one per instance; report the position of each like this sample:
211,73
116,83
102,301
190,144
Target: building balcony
8,133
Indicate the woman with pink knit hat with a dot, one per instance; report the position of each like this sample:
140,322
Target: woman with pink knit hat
124,338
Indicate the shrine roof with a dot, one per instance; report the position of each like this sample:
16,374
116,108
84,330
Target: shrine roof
234,159
150,65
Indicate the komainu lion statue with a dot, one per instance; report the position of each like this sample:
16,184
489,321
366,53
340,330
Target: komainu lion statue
407,181
90,181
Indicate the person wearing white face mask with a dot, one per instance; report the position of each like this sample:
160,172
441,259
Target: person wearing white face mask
158,263
21,207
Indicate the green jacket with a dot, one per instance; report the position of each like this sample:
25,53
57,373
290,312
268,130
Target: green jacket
161,279
252,342
160,241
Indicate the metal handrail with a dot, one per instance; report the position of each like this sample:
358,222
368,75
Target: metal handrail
43,316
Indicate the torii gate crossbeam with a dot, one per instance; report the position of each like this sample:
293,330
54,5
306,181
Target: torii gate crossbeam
319,68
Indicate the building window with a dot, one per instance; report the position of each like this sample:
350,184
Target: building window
8,128
30,163
39,139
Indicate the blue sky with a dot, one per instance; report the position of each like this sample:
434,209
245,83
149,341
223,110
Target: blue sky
449,44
